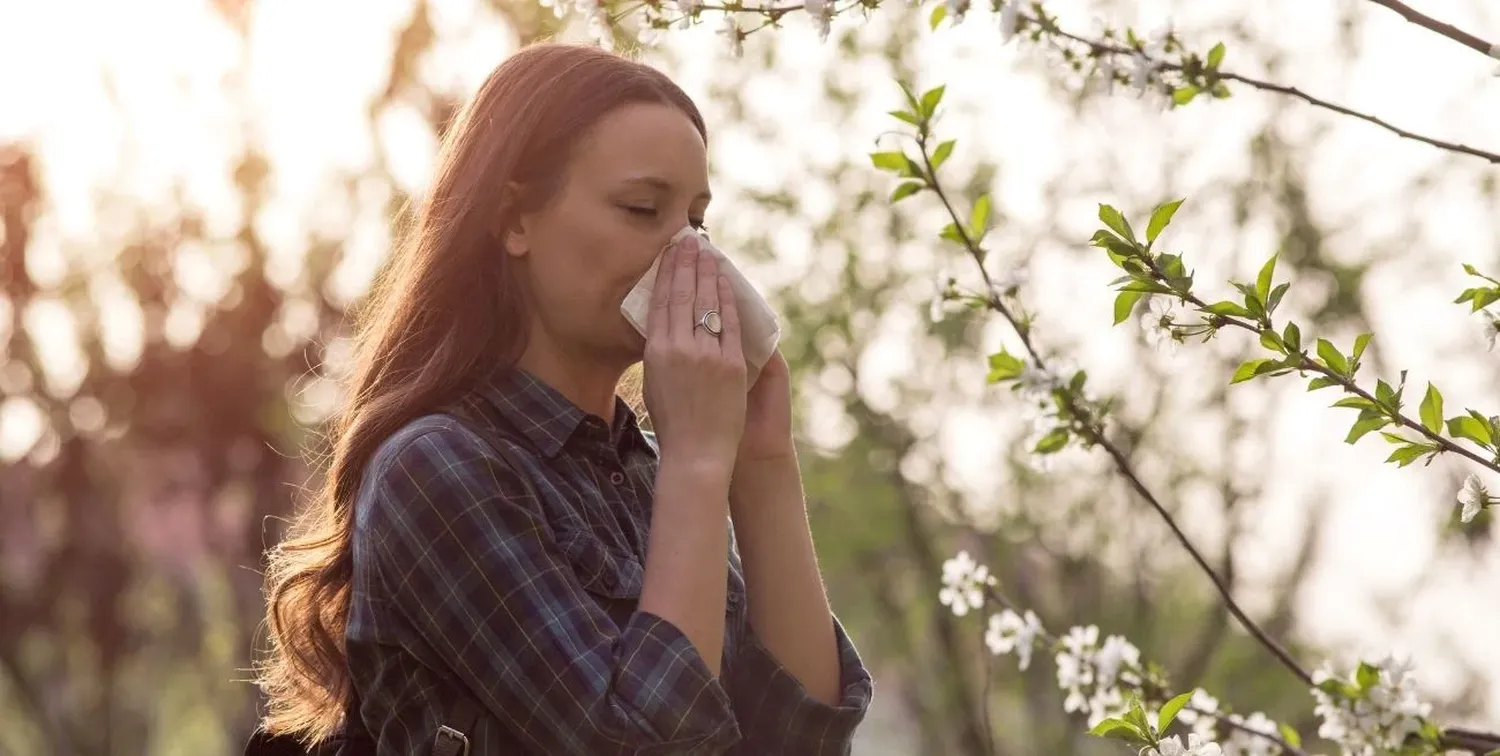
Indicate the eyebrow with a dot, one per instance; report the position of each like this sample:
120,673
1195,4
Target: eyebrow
656,182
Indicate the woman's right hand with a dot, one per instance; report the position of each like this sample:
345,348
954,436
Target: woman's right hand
695,382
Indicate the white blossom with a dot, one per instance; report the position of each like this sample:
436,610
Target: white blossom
1196,746
821,13
1010,20
1158,325
1376,720
1241,743
1090,675
963,584
1201,714
1142,73
1036,383
1489,329
730,29
1472,498
1009,631
943,296
1010,283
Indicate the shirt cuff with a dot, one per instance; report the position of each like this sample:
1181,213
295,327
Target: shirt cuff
778,714
670,692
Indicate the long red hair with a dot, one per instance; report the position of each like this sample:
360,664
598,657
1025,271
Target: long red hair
446,309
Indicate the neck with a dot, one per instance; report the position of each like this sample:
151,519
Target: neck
586,383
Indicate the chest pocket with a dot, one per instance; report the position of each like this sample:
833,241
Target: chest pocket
615,579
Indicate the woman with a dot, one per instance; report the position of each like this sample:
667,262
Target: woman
497,535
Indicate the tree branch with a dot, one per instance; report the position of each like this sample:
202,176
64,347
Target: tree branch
1094,433
1450,31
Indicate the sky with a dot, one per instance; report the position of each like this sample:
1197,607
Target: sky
139,102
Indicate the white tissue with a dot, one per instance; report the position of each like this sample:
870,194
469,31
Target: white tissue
759,329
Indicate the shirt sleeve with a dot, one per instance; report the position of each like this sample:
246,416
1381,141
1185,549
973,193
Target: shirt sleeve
464,553
776,713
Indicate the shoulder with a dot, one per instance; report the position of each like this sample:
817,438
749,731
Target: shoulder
435,460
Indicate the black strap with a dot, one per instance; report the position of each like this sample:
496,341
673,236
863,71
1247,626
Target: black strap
452,737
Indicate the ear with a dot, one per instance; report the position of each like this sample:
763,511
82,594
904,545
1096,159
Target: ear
513,232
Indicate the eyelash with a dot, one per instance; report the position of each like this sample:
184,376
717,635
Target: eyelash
646,212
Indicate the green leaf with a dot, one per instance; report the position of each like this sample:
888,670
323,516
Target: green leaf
1368,676
930,100
952,233
1221,91
1288,732
906,189
1228,309
1274,300
1468,427
1150,287
1484,298
1116,222
1171,265
1384,393
1408,454
1365,424
1184,95
1331,357
1360,342
941,153
1263,280
1251,368
1137,714
1160,217
1216,55
1321,382
1054,441
1271,341
1467,295
1125,304
908,117
1118,729
939,12
1292,337
1356,402
979,217
1004,366
1432,410
1169,711
889,161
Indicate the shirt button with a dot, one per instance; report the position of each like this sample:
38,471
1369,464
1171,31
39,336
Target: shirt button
617,477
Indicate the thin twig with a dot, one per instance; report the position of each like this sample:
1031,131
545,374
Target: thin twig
1095,434
1431,24
1461,149
1266,86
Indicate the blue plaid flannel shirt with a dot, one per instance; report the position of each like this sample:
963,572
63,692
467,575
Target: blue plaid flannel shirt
465,583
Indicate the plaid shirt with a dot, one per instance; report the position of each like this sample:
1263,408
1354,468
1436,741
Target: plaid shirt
467,583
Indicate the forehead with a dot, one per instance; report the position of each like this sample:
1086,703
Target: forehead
645,139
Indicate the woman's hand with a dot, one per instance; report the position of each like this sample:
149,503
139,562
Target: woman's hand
694,381
768,415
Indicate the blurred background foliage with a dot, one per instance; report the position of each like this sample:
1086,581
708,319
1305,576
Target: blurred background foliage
134,511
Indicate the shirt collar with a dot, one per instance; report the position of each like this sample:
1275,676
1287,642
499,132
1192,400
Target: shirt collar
548,419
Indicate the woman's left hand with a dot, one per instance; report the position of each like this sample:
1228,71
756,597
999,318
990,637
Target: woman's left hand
768,415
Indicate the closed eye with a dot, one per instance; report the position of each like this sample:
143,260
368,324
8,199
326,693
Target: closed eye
650,213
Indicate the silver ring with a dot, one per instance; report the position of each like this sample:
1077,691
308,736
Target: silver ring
712,322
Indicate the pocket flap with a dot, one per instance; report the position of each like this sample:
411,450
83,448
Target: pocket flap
602,570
